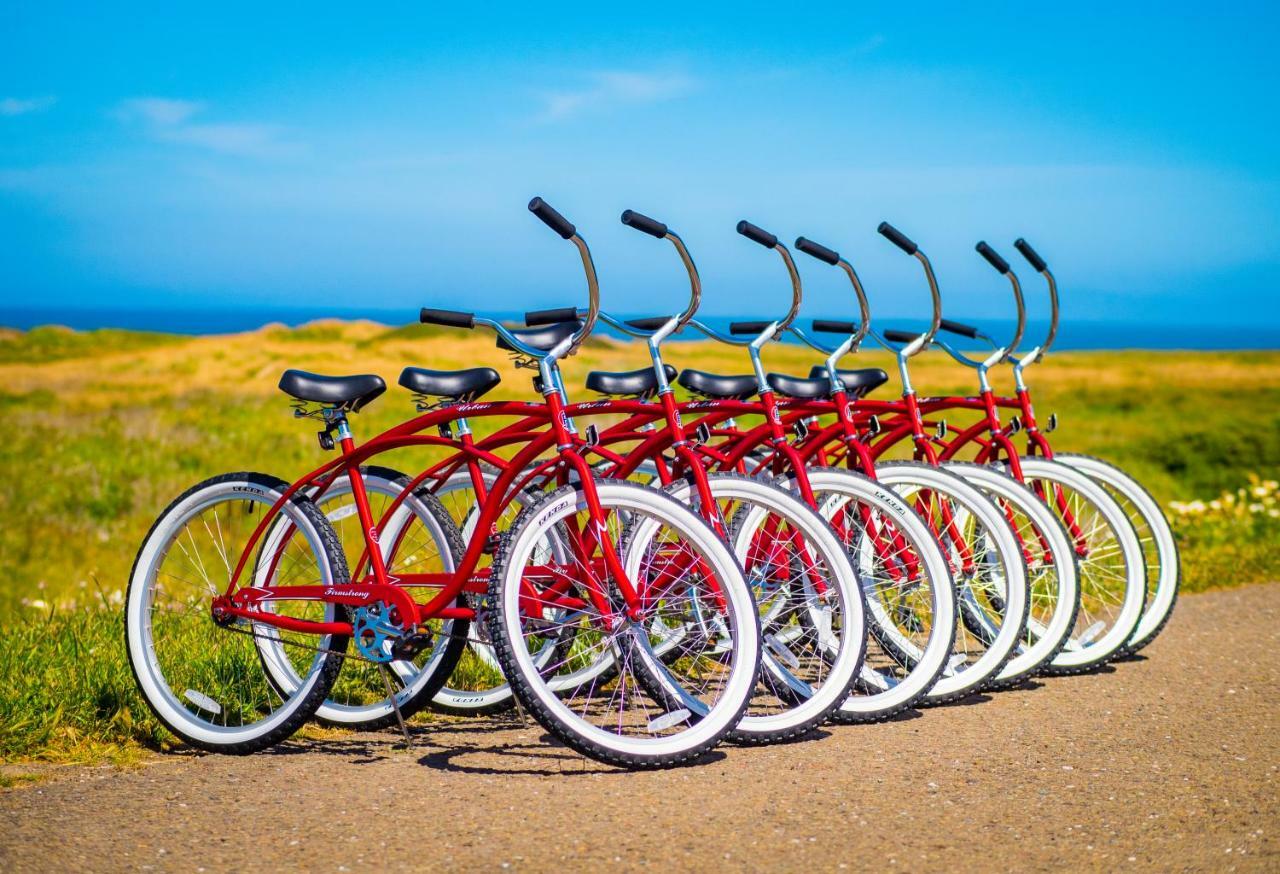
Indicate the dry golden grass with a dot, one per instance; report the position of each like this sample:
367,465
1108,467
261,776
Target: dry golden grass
104,429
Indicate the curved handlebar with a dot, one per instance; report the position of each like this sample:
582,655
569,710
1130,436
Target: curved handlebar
830,256
757,234
905,243
895,336
1030,254
770,241
992,256
959,328
562,226
641,222
897,237
551,218
538,318
832,326
447,318
655,228
748,327
1002,266
1039,264
817,250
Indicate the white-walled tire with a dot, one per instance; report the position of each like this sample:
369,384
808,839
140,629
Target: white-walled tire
204,682
1160,549
882,691
992,594
478,668
615,722
813,641
1113,578
1053,576
418,538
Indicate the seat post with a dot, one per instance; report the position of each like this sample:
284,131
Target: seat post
337,420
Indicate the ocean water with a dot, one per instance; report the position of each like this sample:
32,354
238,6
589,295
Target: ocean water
1071,334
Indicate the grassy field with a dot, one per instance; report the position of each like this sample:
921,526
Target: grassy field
105,428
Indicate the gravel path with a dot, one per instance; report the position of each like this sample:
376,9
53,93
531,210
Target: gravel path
1167,761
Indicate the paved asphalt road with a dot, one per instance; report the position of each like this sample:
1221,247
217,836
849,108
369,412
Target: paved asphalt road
1166,761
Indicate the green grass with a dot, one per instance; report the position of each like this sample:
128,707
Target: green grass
104,428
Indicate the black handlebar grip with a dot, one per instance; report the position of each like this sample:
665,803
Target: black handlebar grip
550,317
898,238
757,235
748,327
993,257
959,328
900,336
640,222
817,250
1030,254
448,318
551,218
649,323
830,326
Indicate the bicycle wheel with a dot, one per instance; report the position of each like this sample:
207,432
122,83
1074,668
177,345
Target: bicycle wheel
477,686
989,570
904,577
808,599
1159,549
682,574
418,538
1113,577
203,680
1053,576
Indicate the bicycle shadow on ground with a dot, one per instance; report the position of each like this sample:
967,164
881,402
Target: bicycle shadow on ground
449,746
545,758
967,700
906,715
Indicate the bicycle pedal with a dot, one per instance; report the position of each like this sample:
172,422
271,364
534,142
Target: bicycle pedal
407,647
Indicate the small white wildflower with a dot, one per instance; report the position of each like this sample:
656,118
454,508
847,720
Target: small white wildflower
1256,508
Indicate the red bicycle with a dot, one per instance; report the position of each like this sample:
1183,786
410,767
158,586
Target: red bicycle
1103,543
809,601
241,607
1160,550
975,535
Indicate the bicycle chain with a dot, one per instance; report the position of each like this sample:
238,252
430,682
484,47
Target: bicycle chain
327,651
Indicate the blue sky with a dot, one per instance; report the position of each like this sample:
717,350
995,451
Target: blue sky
316,156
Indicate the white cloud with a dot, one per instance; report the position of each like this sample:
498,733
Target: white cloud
159,110
170,121
613,88
21,106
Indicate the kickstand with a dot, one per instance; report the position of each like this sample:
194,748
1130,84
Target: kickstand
524,723
395,705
